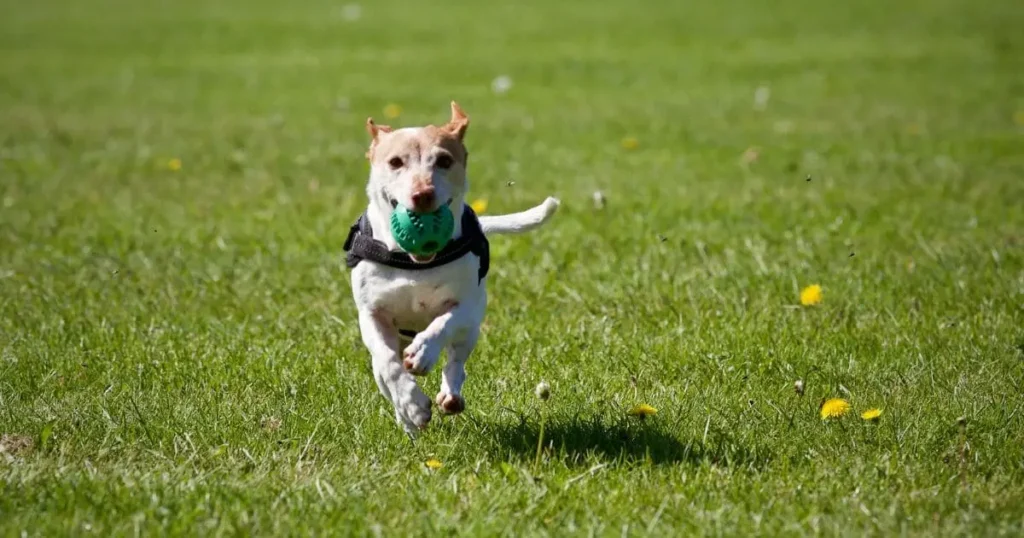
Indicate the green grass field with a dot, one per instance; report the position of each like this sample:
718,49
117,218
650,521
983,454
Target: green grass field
179,352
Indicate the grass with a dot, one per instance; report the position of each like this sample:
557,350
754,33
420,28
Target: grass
179,351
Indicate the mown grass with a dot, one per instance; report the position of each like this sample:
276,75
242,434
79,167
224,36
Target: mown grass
179,352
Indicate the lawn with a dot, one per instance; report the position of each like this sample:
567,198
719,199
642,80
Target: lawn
179,350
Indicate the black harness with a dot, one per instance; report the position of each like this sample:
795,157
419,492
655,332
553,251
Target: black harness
361,245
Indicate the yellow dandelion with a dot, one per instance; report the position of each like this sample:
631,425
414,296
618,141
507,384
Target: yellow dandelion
811,295
630,143
433,464
479,205
1018,117
174,164
834,408
643,411
872,414
392,111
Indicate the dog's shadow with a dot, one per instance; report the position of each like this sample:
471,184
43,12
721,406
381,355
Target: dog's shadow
576,440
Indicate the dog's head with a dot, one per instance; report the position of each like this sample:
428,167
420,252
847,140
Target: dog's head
421,168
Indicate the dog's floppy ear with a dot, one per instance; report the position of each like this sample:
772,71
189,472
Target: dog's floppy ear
374,130
459,122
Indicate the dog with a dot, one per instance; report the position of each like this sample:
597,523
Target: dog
411,307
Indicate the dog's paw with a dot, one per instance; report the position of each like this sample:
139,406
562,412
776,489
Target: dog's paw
413,413
421,355
450,404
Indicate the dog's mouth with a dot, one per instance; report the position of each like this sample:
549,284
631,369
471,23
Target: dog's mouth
394,203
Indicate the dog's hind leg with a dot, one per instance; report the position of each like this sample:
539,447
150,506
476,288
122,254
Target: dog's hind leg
450,399
412,407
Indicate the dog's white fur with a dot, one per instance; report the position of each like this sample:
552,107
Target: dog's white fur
444,304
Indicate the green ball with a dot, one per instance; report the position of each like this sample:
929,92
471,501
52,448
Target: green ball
422,234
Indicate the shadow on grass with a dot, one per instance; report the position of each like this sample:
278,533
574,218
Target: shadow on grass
574,440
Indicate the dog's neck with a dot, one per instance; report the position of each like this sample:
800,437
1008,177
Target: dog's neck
379,213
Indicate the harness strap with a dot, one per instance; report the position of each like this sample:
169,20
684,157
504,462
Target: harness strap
360,245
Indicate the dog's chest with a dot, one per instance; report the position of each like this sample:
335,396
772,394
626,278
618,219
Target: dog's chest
414,298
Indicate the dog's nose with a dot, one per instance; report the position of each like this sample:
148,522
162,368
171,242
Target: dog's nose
423,200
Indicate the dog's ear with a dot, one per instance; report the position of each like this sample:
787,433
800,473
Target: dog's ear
375,131
459,122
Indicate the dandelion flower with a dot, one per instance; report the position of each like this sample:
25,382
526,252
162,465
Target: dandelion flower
392,111
479,205
352,12
270,424
434,464
501,84
643,411
834,408
630,143
174,164
761,97
543,390
1018,117
750,155
872,414
811,295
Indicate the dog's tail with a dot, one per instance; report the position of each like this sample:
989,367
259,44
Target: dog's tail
520,222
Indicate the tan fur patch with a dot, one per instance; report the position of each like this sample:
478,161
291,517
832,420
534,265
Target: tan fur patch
448,137
418,143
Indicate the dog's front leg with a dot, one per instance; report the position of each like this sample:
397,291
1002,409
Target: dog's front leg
457,321
457,329
412,407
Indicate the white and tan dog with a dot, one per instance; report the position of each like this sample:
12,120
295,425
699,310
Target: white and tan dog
426,303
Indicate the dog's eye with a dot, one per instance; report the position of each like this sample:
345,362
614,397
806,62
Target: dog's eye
444,162
396,163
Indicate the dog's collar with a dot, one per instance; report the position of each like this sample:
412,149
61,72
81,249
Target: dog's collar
360,245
